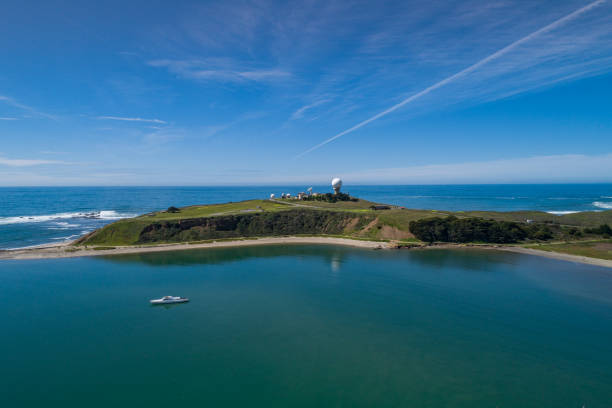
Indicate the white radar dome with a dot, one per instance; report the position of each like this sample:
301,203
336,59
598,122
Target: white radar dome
336,184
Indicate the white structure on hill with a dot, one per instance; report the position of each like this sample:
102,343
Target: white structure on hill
336,185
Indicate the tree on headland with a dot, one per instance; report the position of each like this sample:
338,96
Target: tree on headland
603,229
330,198
453,229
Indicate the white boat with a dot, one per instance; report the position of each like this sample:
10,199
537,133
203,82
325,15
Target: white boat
168,300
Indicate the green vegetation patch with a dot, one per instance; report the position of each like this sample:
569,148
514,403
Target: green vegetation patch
199,211
453,229
593,249
289,222
330,198
122,232
581,219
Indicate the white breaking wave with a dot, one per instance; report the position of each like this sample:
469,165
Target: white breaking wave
66,225
69,237
114,215
601,204
562,212
96,215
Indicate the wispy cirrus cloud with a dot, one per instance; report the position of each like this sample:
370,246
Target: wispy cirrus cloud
365,55
211,131
8,118
553,58
299,113
14,103
220,70
27,162
159,137
131,119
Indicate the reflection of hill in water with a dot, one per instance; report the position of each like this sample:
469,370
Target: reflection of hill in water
577,280
557,276
471,259
205,256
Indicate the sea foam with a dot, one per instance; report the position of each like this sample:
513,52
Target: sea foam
601,204
98,215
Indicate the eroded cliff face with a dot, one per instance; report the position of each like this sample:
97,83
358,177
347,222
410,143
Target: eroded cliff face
292,222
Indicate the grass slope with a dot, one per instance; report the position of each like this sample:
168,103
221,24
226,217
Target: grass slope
601,249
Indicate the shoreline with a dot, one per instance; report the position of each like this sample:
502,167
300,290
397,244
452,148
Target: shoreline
607,263
65,250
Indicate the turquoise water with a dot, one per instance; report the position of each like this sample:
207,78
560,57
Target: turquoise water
304,326
33,216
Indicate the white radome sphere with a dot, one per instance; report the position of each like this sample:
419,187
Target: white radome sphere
336,183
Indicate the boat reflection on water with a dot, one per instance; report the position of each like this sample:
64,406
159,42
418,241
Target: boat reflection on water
166,306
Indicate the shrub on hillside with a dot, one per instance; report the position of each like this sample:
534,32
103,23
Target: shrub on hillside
330,198
603,229
288,222
453,229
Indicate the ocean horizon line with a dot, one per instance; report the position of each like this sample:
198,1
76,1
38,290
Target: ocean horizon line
317,184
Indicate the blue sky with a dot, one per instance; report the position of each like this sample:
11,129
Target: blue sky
209,93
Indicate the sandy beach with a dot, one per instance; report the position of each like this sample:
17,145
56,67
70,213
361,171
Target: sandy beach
66,250
560,256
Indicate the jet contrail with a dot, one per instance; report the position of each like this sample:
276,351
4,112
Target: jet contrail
459,74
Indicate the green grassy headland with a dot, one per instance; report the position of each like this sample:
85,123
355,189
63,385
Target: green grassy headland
570,233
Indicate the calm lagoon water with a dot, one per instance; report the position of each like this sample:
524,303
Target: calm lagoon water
304,326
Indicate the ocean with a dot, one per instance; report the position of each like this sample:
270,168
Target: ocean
39,215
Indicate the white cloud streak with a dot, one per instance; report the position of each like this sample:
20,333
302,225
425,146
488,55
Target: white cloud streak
27,162
132,119
223,70
500,53
16,104
298,114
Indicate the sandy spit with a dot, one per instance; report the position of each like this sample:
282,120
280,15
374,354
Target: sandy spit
557,255
526,251
65,250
